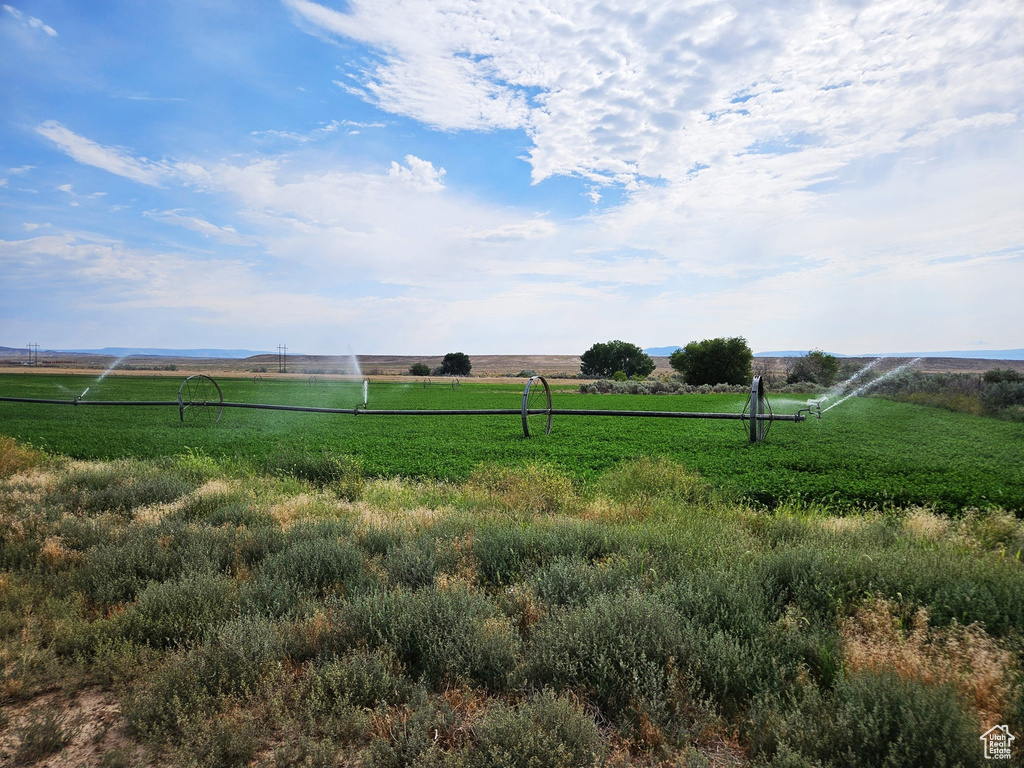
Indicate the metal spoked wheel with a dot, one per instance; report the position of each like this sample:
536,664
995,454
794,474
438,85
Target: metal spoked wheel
755,412
536,407
200,400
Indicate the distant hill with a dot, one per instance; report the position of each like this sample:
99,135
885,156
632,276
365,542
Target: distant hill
976,354
231,354
661,351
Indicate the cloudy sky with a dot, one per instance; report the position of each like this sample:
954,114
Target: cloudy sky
421,176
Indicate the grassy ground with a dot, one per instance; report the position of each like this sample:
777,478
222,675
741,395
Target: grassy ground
866,452
190,611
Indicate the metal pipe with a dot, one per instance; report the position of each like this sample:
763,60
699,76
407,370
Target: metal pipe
357,411
76,401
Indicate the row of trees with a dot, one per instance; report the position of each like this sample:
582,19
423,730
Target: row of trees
712,361
453,364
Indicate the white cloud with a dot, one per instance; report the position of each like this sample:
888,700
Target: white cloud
226,234
31,21
317,133
418,173
113,160
768,98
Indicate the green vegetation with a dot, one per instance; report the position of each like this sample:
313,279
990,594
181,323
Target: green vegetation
714,361
456,364
606,359
816,367
864,453
303,612
419,369
998,392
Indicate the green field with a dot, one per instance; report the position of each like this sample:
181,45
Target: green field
866,452
289,589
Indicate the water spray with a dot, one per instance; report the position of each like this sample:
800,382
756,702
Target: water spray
872,383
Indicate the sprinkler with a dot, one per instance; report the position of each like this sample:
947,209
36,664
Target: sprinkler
814,406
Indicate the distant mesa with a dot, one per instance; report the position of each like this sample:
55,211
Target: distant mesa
231,354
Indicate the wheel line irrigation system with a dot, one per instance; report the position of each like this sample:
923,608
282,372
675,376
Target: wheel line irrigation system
200,398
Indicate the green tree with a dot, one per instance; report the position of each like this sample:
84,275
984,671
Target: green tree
817,367
714,361
419,369
456,364
603,359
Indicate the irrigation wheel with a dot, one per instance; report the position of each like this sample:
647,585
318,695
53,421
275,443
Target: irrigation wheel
200,400
754,412
536,407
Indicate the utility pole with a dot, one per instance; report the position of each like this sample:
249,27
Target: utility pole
282,358
33,353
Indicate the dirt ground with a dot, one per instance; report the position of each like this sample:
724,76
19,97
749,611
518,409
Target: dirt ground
90,719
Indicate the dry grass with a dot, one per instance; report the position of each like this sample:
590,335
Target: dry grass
16,458
290,510
530,489
925,524
846,524
965,657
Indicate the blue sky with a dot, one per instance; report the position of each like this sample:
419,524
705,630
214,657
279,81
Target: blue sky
418,177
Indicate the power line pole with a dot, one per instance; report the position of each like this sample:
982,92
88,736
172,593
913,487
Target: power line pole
33,353
282,358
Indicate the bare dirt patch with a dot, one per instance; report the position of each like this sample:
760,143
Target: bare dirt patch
91,722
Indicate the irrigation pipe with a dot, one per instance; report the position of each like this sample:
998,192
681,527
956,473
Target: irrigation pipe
541,395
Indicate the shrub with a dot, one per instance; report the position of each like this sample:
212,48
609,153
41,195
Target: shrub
316,563
870,719
180,611
529,488
120,487
238,656
218,509
504,554
999,375
444,636
1002,396
167,703
419,369
640,482
117,572
615,650
368,679
339,472
542,732
714,361
816,367
15,458
575,581
413,563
